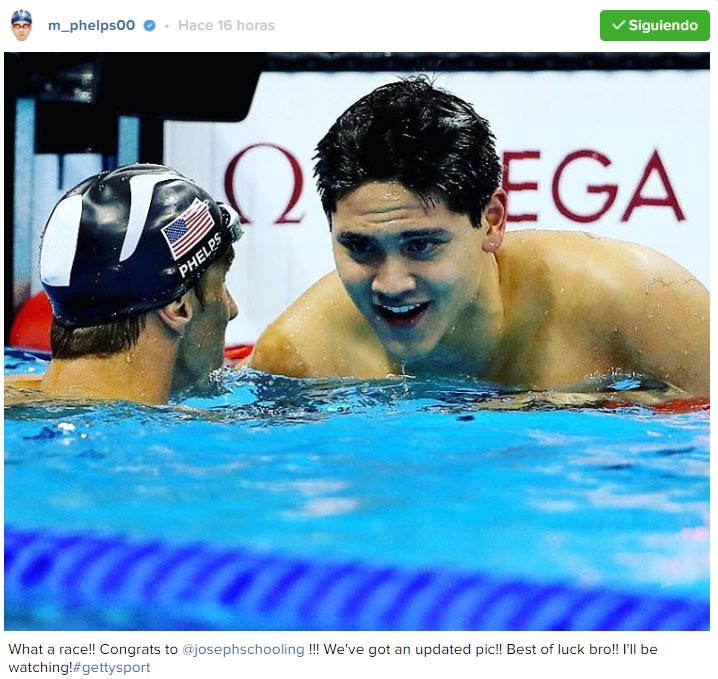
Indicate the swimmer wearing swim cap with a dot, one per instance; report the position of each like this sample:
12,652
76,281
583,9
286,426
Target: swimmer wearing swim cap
21,22
428,282
134,263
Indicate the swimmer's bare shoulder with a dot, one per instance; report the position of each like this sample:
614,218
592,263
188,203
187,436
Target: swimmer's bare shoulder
669,320
322,334
650,308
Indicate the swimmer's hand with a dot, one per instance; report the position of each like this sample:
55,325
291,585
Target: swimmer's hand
22,389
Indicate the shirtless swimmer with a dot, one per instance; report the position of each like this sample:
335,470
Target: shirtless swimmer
428,282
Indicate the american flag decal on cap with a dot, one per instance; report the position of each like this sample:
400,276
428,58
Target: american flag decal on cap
188,229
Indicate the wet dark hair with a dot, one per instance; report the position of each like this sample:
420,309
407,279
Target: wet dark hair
423,137
96,340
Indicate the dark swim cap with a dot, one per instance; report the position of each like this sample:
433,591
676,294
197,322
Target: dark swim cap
128,241
21,15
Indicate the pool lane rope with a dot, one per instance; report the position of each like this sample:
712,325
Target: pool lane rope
198,586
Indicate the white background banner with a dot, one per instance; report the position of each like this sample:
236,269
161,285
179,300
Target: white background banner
620,153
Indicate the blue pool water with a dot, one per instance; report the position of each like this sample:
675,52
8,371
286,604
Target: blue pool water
407,475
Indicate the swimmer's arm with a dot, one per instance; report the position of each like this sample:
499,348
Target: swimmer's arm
667,327
26,381
245,362
275,353
580,399
22,389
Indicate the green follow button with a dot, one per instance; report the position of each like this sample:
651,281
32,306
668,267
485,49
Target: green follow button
624,24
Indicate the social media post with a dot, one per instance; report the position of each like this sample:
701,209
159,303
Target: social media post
366,361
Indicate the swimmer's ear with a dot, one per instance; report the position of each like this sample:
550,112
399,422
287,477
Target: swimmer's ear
494,219
176,315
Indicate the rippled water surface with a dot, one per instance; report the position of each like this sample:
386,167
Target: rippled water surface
399,472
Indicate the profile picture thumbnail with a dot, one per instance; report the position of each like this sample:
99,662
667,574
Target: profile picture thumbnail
21,24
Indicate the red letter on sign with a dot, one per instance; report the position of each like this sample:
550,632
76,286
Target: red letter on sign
637,200
525,186
609,189
284,218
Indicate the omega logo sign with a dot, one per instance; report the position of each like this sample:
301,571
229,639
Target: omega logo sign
561,185
297,185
